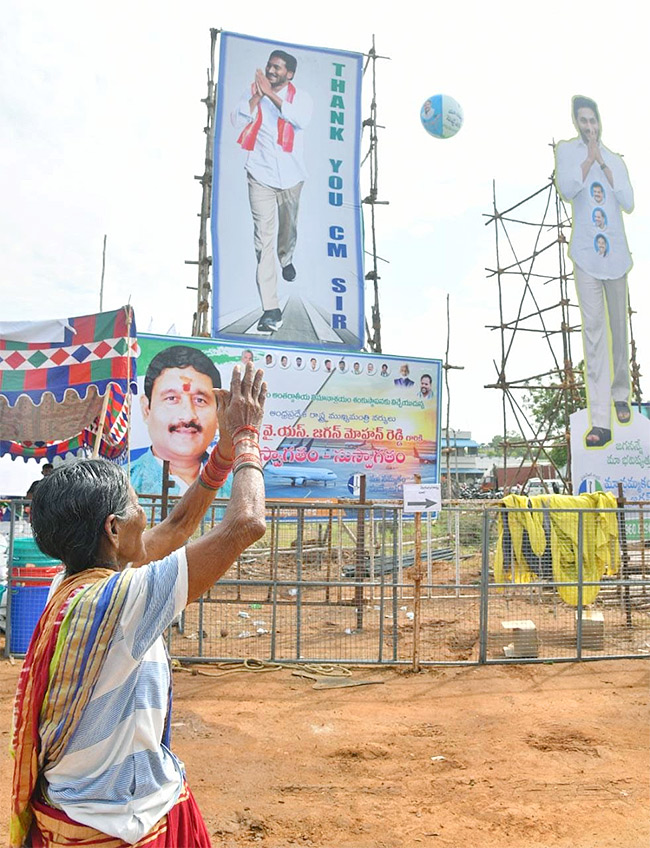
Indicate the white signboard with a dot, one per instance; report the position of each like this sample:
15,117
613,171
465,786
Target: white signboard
625,460
422,497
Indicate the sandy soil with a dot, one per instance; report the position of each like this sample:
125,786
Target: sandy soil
550,756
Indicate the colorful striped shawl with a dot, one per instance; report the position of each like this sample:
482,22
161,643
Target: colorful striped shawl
61,669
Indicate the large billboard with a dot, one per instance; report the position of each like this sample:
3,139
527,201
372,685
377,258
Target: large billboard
329,416
286,208
595,181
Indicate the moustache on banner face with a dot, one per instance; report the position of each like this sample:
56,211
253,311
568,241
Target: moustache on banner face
185,425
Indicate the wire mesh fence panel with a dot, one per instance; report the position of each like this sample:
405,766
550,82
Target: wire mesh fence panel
334,583
339,583
567,584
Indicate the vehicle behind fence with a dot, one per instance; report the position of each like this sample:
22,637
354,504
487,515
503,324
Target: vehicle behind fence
333,583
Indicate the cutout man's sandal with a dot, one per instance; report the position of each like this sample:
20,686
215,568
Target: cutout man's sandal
598,437
623,411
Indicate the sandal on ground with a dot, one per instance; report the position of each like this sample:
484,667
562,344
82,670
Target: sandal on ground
598,437
623,412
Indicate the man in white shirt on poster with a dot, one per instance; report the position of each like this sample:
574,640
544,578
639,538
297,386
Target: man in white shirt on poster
272,115
590,176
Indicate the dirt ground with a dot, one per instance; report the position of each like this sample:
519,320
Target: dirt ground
544,756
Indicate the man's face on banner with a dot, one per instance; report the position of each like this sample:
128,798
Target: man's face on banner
182,414
425,386
588,124
276,72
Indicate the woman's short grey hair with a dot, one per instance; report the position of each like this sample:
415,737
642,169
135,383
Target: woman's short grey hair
70,507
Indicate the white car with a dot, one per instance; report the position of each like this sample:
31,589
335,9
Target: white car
535,486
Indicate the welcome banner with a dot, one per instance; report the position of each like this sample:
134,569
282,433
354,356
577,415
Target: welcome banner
328,417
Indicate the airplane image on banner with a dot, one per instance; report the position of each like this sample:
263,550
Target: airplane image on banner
299,475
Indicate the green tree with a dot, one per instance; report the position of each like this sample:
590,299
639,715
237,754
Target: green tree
495,446
551,406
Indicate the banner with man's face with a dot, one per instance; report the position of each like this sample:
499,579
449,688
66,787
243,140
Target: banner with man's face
286,206
329,416
594,180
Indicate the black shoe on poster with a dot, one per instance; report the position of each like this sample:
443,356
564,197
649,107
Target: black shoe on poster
289,273
270,321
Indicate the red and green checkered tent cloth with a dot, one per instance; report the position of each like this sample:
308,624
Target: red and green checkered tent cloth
54,376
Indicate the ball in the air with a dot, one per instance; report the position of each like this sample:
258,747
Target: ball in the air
441,116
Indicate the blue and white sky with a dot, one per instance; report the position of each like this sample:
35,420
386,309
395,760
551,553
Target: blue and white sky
102,132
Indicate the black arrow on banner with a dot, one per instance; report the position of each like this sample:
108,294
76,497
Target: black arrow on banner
426,503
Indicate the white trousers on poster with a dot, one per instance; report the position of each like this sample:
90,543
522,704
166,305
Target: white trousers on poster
603,306
275,219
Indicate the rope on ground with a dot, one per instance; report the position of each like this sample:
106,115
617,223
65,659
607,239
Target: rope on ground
252,664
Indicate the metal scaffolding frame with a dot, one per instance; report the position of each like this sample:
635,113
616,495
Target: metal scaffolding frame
543,322
201,318
373,335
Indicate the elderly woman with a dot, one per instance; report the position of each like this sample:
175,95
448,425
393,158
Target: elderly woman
91,720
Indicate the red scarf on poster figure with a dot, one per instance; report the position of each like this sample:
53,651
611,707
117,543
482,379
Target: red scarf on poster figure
248,136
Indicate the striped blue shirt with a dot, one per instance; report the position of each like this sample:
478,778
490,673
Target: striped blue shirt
115,774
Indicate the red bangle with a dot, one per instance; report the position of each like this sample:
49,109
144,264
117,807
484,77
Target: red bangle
210,482
221,456
247,457
248,427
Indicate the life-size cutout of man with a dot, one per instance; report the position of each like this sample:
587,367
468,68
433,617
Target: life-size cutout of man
272,115
596,183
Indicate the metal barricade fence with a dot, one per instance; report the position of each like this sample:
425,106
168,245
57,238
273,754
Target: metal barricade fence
333,583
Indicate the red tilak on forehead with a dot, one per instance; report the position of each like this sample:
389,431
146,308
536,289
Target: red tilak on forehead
187,385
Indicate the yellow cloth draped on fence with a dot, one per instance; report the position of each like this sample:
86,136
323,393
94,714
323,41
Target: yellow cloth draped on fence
600,551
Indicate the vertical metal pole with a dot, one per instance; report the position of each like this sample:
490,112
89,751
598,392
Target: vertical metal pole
330,527
382,585
371,551
164,508
429,557
642,546
485,587
339,527
10,571
299,545
360,553
400,549
275,515
581,531
201,626
457,549
395,571
271,555
417,583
